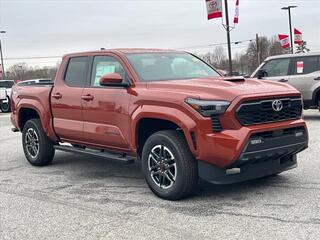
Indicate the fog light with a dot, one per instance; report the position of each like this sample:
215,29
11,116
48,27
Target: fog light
233,171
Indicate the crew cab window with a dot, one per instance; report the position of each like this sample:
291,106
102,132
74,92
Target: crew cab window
306,65
105,65
76,72
277,67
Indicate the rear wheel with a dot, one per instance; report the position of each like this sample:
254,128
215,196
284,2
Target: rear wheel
38,148
5,106
168,165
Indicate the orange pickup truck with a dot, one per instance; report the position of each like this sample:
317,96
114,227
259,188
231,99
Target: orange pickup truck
168,109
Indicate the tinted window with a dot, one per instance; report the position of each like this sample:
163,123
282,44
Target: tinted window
277,67
104,65
305,65
6,84
169,66
76,71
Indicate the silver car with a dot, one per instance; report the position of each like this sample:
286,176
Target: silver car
302,71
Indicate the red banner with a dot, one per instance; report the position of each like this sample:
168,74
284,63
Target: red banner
284,40
297,37
214,9
236,15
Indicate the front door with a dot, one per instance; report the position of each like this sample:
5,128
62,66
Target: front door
277,70
105,109
66,100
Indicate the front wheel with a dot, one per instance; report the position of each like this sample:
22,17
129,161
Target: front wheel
38,148
5,106
168,165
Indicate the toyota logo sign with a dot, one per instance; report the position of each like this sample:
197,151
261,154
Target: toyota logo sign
277,105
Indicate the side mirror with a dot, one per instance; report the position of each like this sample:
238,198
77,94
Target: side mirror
112,79
262,73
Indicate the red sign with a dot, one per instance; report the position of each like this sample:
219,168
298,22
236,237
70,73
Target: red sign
297,37
300,67
214,8
236,15
284,40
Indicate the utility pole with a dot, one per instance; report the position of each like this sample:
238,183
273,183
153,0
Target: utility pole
228,37
258,50
3,72
290,23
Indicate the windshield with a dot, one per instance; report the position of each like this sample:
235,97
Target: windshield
169,66
6,84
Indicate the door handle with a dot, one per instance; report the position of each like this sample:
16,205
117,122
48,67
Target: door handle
56,95
317,78
283,80
87,97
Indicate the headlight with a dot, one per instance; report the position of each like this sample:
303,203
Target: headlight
207,107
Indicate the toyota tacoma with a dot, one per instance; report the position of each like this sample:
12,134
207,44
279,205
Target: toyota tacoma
167,109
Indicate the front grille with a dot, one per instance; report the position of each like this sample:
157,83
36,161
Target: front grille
251,113
216,124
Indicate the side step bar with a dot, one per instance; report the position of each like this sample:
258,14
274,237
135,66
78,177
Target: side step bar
112,156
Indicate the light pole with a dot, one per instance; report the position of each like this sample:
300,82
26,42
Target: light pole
290,25
3,73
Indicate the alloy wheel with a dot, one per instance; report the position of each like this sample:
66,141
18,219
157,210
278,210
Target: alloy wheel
32,142
162,166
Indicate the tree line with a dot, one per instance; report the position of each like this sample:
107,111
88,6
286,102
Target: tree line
22,71
244,63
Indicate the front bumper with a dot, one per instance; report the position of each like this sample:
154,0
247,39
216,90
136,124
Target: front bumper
217,175
264,153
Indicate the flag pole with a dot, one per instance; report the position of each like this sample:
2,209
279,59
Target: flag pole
228,36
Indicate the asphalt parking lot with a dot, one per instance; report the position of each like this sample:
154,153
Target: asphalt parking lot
81,197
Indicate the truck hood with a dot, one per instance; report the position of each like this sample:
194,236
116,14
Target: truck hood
221,88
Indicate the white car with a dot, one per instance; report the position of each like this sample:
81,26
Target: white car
302,71
5,94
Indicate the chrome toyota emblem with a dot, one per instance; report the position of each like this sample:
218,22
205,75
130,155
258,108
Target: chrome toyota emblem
277,105
213,5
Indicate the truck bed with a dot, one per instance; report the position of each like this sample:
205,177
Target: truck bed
36,96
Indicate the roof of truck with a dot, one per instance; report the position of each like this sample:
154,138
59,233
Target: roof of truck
124,51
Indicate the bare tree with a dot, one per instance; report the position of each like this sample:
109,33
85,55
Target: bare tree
275,47
303,48
18,71
22,71
219,55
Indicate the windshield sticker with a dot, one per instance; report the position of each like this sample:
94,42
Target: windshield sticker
101,70
300,66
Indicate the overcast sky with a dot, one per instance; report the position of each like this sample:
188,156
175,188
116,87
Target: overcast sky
56,27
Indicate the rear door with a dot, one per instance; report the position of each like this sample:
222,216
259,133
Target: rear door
105,108
66,100
304,72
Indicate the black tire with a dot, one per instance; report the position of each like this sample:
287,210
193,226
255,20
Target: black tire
185,170
45,153
5,107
